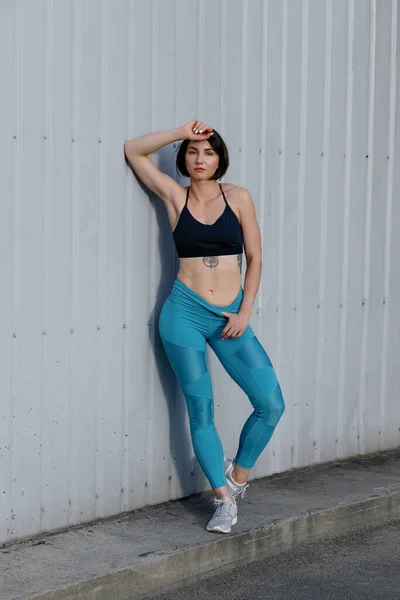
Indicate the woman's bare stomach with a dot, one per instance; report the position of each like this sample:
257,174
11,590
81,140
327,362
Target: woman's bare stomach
217,279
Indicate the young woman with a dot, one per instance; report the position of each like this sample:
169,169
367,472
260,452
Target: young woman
211,223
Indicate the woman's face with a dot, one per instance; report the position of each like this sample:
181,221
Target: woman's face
201,160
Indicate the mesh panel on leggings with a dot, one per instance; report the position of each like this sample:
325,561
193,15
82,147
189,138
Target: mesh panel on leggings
189,363
253,355
269,402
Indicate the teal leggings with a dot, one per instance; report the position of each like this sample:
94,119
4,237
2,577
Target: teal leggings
186,323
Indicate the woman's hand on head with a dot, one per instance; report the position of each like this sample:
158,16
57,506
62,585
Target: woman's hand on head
196,130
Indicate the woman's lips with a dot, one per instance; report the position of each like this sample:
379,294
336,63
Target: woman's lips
199,169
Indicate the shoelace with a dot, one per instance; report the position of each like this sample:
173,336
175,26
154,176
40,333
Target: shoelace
223,506
241,491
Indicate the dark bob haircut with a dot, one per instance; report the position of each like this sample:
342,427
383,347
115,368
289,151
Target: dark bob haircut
217,144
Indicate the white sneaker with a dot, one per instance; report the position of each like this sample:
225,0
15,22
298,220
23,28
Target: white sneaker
237,489
224,516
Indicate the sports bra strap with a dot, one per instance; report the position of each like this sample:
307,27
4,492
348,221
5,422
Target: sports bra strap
187,194
223,193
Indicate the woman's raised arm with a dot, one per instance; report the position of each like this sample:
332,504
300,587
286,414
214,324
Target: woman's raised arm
138,149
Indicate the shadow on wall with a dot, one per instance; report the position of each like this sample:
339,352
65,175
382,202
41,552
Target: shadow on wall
179,436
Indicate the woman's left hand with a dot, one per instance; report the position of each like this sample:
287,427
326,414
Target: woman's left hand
236,325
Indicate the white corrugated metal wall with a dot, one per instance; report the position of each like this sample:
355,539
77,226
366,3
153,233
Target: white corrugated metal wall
306,94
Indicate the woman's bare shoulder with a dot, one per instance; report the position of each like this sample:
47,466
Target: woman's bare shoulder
234,192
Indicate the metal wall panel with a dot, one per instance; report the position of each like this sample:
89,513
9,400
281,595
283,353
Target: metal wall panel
306,94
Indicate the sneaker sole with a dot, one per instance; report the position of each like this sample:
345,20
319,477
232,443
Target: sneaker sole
220,530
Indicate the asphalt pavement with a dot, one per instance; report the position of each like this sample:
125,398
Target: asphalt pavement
358,566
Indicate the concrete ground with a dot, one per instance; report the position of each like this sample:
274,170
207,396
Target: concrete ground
145,551
364,565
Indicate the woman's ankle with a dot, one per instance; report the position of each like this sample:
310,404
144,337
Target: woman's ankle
223,492
219,496
236,479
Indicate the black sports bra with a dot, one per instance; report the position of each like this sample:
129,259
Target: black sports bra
221,238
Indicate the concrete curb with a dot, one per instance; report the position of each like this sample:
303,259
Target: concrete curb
260,542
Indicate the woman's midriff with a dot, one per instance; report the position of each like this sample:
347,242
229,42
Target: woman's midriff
217,279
